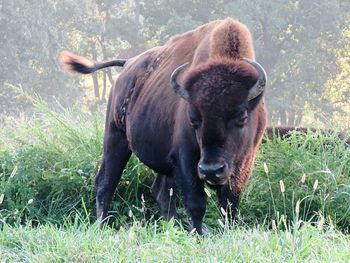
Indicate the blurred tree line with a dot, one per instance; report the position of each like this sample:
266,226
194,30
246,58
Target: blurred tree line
304,46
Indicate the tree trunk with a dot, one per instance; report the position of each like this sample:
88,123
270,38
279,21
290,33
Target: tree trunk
291,118
104,86
283,117
109,74
298,118
95,80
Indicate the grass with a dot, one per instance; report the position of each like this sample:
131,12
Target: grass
48,165
164,242
293,208
314,170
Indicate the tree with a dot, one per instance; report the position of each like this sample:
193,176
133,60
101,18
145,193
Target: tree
303,46
29,42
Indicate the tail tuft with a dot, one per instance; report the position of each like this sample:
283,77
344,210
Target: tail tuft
74,63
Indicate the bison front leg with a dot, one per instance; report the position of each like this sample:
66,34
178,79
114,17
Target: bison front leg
164,191
192,189
116,154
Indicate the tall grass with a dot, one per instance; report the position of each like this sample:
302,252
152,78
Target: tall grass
48,164
314,169
159,241
53,158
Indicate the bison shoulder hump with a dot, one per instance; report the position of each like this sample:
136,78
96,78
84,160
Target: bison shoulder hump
231,39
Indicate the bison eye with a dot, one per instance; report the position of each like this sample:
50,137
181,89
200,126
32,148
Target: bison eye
195,118
242,119
241,122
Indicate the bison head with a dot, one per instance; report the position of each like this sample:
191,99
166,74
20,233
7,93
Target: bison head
222,98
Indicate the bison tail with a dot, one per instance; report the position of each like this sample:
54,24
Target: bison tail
73,63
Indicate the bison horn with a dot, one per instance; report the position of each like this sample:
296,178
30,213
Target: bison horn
259,86
178,88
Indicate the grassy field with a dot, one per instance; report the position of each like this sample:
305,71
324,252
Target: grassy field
168,243
296,206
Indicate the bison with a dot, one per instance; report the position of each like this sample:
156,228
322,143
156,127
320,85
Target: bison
192,110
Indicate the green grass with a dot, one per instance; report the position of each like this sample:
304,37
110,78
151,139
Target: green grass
314,169
295,207
164,242
48,164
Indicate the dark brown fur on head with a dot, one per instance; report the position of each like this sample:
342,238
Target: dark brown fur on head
218,110
221,79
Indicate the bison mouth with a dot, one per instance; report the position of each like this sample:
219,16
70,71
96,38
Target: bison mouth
222,182
215,173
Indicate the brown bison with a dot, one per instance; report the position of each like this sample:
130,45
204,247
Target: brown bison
207,131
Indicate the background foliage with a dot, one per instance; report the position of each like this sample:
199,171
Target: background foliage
304,46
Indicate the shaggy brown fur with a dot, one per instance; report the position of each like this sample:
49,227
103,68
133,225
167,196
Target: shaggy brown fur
211,137
231,79
233,39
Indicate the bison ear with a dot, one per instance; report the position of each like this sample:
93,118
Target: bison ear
259,86
178,88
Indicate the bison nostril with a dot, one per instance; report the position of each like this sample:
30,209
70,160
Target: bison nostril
201,169
211,169
220,170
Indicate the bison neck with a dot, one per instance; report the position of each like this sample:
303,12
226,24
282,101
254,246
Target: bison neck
156,129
